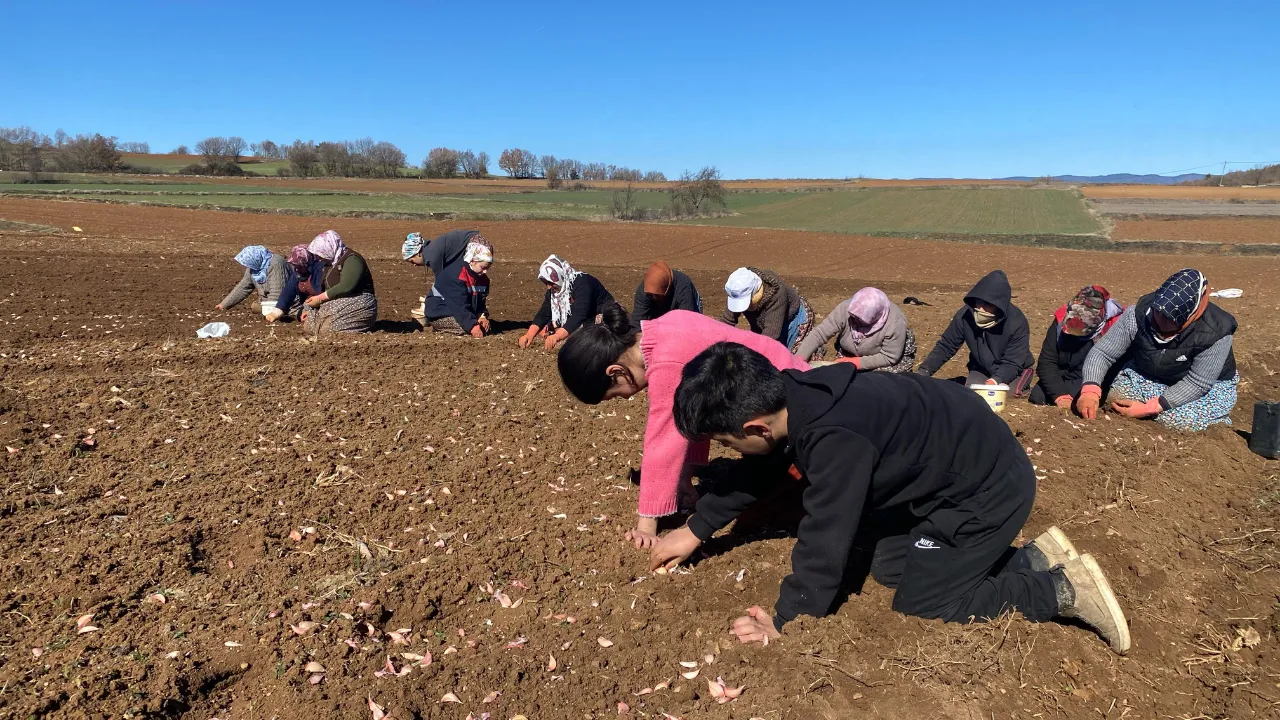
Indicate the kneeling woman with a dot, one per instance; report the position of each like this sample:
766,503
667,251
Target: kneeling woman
870,331
615,359
1181,368
572,298
1076,327
457,304
345,302
772,307
270,275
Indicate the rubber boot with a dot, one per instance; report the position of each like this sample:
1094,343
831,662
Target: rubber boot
1084,594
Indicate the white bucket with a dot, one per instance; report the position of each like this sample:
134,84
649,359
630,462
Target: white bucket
995,395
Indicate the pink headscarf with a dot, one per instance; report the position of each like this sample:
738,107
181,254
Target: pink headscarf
329,246
868,313
300,258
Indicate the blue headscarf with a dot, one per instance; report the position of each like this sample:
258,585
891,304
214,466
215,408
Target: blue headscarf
1178,298
256,258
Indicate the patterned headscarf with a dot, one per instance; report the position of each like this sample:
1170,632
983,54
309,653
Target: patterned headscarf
478,251
413,244
1179,299
1087,312
560,274
256,258
328,245
868,313
300,259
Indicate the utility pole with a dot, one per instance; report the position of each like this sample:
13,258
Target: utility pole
1223,176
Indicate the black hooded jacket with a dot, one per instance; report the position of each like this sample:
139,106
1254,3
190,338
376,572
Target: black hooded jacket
865,442
1001,352
444,250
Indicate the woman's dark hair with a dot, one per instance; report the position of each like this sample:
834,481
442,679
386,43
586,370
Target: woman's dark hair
589,352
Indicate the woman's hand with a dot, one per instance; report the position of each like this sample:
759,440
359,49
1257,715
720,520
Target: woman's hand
1088,402
527,338
1063,401
315,300
556,338
218,307
1138,408
477,332
274,315
673,549
484,323
755,626
645,534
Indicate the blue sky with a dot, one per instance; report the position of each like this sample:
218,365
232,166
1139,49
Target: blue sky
759,89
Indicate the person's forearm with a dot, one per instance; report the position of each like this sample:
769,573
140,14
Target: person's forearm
1110,348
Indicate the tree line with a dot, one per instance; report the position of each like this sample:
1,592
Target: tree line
25,149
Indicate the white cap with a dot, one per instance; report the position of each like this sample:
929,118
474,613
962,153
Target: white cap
741,286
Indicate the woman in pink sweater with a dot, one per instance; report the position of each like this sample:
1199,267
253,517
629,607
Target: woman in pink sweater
612,359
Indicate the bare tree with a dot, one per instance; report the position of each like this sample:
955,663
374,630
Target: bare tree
654,176
181,150
140,148
510,162
441,163
482,164
551,171
386,159
236,147
304,158
59,138
698,193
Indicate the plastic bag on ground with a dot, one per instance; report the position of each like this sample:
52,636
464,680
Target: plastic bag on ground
1227,293
214,330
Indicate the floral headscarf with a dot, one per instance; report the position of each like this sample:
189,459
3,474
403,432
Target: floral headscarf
560,274
300,259
868,313
1089,312
478,252
256,258
329,245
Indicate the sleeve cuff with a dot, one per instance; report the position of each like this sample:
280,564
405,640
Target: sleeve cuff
1164,404
700,528
778,622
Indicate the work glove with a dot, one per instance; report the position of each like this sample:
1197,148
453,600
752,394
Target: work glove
1138,408
1088,402
1063,401
854,361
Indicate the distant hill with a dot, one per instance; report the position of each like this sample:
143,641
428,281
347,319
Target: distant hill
1122,178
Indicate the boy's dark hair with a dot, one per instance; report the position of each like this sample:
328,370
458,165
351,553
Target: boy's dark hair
723,388
589,352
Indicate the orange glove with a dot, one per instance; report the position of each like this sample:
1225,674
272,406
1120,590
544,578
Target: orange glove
793,472
1088,402
1138,409
1063,401
992,381
855,361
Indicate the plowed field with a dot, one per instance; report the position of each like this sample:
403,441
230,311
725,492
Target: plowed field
223,513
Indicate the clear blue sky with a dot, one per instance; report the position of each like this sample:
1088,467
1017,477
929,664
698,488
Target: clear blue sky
760,89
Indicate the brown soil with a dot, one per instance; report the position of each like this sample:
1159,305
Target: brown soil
1181,192
1223,230
430,467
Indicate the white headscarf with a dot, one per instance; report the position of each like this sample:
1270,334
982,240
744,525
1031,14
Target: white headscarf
560,274
478,252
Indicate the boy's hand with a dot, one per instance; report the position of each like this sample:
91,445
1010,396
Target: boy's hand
673,549
645,534
755,626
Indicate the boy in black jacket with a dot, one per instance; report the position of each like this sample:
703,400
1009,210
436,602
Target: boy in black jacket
940,477
997,335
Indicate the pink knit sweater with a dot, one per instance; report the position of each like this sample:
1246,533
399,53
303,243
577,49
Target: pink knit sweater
668,344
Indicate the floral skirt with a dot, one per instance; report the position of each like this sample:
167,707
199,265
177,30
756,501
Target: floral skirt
1213,408
448,325
357,313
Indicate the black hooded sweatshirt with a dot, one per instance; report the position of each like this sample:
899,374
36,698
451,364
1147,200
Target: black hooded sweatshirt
1001,352
865,442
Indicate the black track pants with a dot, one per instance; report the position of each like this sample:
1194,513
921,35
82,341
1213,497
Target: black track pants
957,563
